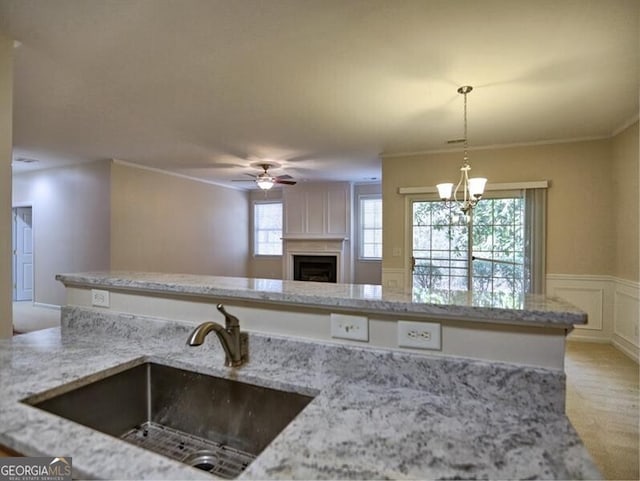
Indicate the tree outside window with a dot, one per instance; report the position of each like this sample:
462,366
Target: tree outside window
442,247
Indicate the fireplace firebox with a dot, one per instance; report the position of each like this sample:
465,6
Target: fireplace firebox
315,268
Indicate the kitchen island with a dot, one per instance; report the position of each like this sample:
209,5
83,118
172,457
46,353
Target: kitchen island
376,413
526,329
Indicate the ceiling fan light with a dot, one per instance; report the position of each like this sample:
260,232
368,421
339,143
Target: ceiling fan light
265,183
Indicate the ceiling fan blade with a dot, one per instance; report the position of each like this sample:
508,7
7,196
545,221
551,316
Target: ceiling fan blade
250,175
242,180
284,177
285,182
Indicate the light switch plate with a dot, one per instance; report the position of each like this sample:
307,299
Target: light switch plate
350,327
99,298
419,335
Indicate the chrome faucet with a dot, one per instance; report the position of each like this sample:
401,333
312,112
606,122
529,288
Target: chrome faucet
230,337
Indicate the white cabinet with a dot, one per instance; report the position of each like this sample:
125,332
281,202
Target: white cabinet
317,210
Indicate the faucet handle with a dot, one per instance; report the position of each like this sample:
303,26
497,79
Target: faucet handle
229,319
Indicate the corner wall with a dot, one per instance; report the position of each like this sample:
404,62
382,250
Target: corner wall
626,182
167,223
70,223
6,123
613,301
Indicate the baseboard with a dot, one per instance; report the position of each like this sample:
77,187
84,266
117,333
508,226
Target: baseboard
576,337
46,306
626,348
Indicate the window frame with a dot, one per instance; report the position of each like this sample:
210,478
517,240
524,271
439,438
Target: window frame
254,229
361,256
534,225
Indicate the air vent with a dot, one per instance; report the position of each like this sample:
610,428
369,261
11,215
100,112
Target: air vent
455,141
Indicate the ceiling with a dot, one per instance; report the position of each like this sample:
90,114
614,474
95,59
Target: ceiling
322,88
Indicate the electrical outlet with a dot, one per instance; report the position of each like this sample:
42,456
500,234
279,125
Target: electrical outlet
350,327
420,335
99,298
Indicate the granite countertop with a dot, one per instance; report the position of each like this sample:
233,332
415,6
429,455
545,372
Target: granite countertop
376,413
529,309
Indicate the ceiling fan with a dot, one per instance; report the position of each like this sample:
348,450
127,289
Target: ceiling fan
265,180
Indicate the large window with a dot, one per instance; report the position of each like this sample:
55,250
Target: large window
499,251
267,232
371,227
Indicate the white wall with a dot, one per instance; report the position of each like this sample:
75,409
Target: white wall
71,209
6,274
162,222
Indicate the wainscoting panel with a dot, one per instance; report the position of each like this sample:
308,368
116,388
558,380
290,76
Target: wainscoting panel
586,292
626,317
394,278
588,299
613,306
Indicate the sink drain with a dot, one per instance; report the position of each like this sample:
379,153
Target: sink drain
205,460
219,459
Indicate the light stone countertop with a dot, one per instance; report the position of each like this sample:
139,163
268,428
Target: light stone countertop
377,414
529,309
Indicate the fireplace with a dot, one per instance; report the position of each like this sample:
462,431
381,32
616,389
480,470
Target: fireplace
315,268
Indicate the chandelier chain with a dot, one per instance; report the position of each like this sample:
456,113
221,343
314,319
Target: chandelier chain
466,141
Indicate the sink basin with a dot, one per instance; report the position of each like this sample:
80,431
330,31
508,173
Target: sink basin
211,423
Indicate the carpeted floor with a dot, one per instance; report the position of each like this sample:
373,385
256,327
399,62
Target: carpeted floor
603,406
27,317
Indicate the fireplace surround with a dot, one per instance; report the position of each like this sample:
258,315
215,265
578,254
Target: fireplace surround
318,248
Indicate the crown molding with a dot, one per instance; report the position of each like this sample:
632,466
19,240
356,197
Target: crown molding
624,125
174,174
495,146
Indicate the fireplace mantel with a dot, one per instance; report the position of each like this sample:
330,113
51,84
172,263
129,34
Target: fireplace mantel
315,246
314,237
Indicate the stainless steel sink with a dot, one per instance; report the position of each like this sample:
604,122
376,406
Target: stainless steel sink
212,423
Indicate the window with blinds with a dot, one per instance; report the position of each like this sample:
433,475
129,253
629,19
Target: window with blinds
500,250
371,227
267,228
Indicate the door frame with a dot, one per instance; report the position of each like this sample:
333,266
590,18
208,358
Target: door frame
408,234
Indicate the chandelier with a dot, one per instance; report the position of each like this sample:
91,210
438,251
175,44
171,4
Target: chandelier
471,190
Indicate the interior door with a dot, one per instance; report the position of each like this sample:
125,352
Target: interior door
23,254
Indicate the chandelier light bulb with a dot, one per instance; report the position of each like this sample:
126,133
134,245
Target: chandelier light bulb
476,187
445,190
